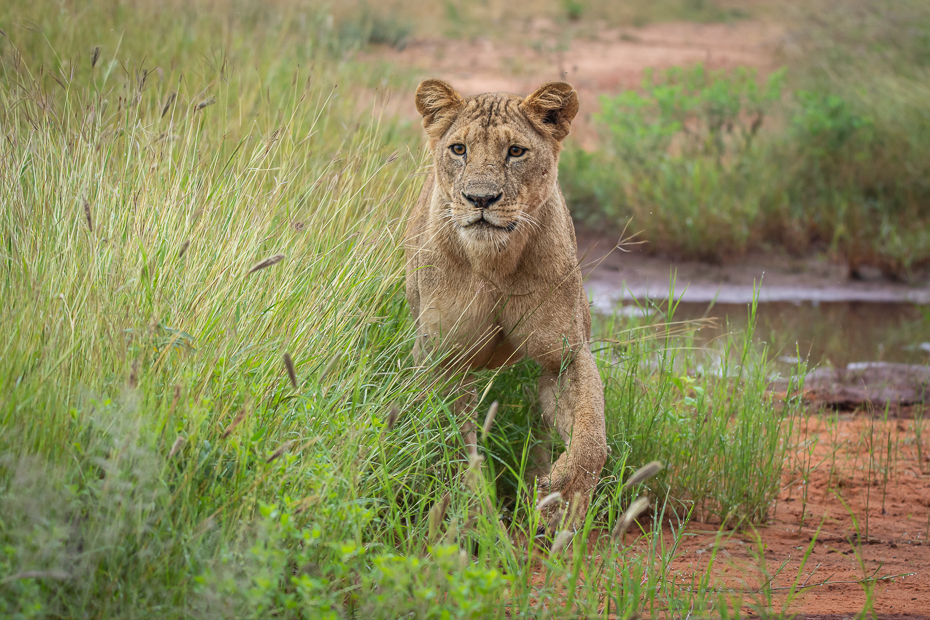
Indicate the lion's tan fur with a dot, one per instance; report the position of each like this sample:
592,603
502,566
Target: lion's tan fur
488,285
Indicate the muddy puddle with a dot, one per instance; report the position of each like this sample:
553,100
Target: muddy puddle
824,334
807,308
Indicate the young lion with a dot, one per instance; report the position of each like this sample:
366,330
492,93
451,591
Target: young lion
492,272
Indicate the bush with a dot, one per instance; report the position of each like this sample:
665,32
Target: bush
680,159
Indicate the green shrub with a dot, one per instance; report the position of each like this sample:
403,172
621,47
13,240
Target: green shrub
679,159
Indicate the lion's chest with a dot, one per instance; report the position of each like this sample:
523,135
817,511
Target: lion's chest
463,318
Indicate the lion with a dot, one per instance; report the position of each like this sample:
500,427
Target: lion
492,274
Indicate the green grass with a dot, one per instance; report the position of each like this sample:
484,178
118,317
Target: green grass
156,460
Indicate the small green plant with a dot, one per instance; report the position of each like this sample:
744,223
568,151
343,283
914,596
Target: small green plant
824,123
574,9
701,112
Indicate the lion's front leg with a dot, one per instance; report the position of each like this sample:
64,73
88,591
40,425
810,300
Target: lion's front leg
573,403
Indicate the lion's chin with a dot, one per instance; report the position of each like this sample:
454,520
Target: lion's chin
484,233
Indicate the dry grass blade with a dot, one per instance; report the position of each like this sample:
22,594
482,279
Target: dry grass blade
206,102
488,420
632,513
289,364
549,499
277,453
232,425
36,574
330,365
642,474
561,541
94,56
168,103
437,515
88,217
178,443
183,249
268,262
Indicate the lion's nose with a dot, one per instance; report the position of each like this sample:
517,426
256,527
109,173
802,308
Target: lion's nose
482,201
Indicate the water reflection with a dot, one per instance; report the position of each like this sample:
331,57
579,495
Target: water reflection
834,333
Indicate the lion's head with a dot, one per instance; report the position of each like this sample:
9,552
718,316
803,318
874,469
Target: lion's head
495,155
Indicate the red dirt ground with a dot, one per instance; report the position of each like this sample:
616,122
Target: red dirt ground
835,449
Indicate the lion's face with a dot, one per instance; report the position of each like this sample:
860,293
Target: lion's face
495,156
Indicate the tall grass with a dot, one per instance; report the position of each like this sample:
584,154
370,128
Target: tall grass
208,406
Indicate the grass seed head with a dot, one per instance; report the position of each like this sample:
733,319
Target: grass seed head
94,56
488,420
561,541
232,425
305,503
642,474
168,103
474,471
437,515
632,513
549,499
88,217
206,102
289,365
392,418
178,443
268,262
183,249
134,373
277,453
331,364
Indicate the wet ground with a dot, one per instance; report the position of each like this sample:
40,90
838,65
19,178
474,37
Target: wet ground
850,531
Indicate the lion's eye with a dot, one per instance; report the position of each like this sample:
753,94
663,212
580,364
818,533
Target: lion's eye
458,149
516,151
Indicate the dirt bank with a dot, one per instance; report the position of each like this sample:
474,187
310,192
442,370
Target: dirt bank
616,275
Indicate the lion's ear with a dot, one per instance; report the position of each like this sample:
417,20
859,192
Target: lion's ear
551,108
439,104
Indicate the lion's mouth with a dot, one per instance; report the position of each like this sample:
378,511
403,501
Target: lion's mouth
483,224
